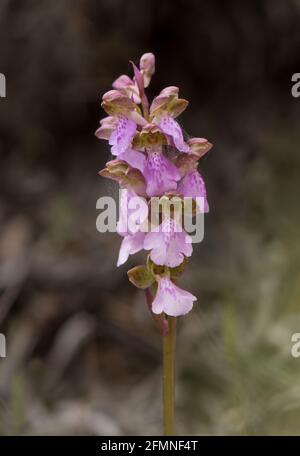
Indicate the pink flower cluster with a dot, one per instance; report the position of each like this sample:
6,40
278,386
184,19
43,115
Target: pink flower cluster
152,159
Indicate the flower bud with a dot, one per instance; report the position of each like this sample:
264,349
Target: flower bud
147,67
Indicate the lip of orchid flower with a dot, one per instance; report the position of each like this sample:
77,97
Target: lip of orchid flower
130,230
120,133
171,300
133,213
134,158
170,245
160,173
171,128
122,136
193,186
131,244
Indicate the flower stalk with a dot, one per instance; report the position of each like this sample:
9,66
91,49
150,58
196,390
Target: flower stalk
169,348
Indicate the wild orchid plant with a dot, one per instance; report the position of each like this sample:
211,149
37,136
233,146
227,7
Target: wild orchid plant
153,159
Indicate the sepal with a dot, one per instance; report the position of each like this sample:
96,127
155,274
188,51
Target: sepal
140,277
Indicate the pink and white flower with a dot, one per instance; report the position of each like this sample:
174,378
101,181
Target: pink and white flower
193,186
132,243
170,245
133,214
171,299
120,132
160,173
164,109
121,137
139,134
170,127
134,158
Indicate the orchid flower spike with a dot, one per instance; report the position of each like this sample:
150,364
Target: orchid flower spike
152,158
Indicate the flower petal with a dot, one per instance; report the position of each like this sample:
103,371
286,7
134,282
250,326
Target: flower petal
155,242
193,186
131,244
122,136
160,174
169,245
133,212
172,128
134,158
171,299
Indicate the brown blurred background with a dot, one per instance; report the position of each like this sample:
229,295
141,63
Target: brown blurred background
83,355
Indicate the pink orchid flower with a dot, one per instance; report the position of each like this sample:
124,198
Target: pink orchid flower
131,244
134,158
171,299
163,111
193,186
160,173
171,128
120,132
121,137
139,134
170,245
133,214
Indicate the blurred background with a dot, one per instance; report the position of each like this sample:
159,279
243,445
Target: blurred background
83,355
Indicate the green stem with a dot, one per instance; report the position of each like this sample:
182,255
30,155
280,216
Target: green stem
169,342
